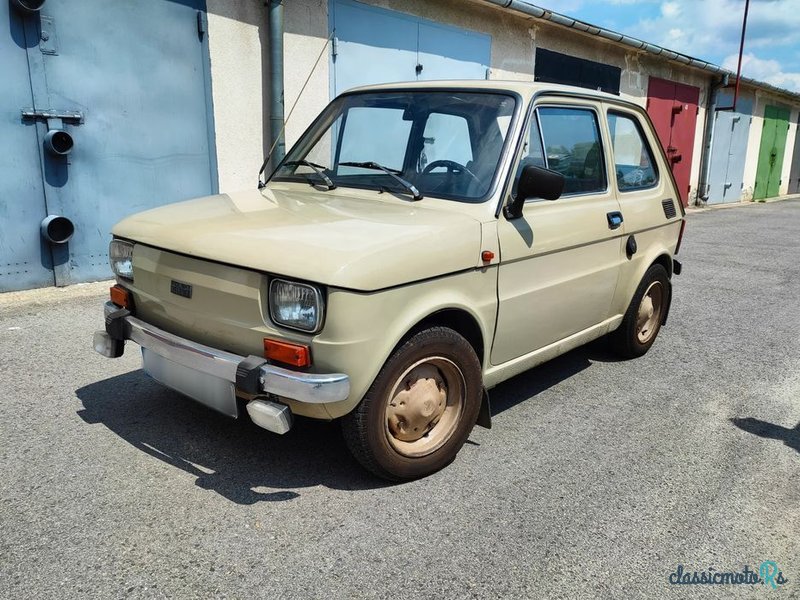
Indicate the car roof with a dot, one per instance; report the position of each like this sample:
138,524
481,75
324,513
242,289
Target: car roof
523,88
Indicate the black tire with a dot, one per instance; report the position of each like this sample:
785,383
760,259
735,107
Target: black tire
367,430
627,339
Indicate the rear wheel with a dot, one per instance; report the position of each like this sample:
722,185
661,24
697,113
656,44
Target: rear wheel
644,316
421,408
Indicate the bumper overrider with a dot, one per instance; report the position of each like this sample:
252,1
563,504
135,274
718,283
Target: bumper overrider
214,377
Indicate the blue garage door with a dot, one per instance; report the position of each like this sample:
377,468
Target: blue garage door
129,80
25,260
729,148
374,45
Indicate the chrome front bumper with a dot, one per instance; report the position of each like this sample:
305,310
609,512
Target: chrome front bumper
250,375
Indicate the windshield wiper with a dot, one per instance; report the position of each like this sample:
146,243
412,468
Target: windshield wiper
391,172
318,169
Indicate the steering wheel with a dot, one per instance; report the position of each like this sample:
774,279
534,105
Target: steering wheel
452,167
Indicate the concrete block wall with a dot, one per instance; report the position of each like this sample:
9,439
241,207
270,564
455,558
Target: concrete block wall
305,35
791,135
237,39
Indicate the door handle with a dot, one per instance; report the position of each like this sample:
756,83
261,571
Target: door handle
614,219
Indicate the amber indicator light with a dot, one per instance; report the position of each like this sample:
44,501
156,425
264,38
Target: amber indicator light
296,355
121,297
487,256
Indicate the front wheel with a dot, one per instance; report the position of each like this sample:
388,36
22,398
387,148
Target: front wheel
421,408
644,316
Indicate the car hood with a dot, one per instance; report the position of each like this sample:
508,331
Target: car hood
332,238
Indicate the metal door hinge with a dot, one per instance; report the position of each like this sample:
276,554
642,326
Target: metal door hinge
48,40
202,23
334,46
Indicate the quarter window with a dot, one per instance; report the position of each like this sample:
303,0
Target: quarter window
572,147
633,159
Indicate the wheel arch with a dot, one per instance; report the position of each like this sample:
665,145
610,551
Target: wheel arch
665,260
459,320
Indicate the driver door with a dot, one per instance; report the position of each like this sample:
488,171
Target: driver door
560,261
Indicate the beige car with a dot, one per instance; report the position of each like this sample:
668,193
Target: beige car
418,245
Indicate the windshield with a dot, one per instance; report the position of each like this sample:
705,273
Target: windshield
445,144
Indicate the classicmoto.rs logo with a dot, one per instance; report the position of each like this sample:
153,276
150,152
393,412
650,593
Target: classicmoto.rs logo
768,574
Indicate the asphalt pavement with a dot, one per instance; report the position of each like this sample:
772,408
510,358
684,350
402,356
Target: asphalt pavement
598,478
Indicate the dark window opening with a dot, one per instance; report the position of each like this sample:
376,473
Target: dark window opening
554,67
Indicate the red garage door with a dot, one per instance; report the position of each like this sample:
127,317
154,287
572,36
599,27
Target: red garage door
673,108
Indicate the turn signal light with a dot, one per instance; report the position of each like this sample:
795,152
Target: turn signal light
296,355
121,297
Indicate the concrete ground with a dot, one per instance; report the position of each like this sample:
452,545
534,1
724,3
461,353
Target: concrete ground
598,479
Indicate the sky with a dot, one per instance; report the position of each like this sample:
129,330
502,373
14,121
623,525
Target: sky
706,29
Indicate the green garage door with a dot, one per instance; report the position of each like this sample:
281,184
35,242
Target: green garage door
770,154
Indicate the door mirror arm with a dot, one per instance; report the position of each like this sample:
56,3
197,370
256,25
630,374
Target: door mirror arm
513,210
534,182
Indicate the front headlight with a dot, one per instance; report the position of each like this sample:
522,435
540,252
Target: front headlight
295,305
120,255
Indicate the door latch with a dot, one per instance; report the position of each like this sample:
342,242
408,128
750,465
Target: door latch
75,117
56,141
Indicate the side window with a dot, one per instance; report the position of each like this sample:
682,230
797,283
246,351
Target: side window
633,159
573,148
446,137
360,143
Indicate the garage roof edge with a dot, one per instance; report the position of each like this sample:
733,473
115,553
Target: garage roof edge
532,11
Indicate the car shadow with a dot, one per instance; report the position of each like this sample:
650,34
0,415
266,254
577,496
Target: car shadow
790,437
237,459
233,458
534,381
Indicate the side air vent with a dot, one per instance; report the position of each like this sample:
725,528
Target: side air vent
669,208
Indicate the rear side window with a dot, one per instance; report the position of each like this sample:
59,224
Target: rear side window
633,159
572,147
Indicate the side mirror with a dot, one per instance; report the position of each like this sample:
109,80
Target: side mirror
535,182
